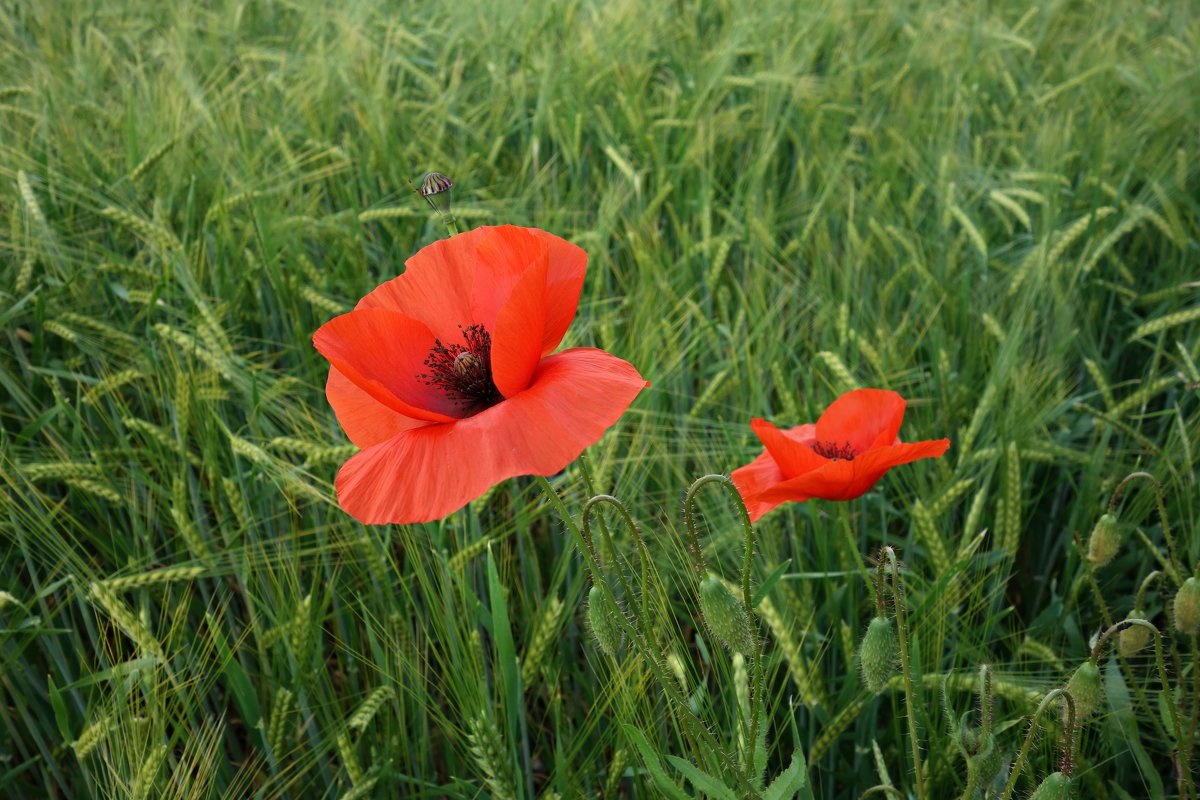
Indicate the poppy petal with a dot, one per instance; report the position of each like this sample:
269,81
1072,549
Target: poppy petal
564,282
755,478
517,341
365,420
422,474
382,352
793,457
503,257
435,287
862,418
847,479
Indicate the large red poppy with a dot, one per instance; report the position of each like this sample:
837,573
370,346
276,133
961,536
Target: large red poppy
850,448
444,376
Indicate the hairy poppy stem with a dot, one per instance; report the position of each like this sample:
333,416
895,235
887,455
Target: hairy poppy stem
1115,499
905,666
1023,754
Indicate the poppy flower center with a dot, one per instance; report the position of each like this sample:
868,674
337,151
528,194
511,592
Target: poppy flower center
834,451
464,371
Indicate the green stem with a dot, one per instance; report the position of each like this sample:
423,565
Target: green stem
972,782
881,789
1023,754
906,668
1113,501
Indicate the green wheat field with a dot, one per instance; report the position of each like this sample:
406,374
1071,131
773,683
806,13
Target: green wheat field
990,208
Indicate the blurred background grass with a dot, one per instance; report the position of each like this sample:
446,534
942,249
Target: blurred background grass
991,208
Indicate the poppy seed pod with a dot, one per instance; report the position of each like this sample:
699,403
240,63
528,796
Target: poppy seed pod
603,622
1056,786
877,655
435,188
1105,541
1135,637
725,617
1187,608
1086,690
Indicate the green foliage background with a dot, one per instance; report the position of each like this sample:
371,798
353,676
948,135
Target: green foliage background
991,208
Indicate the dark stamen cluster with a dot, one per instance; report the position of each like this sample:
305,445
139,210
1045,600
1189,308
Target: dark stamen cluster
835,451
464,372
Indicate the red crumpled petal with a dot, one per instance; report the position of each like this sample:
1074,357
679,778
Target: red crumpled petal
425,473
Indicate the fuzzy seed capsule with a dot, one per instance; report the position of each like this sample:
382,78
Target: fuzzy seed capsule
1135,637
1056,786
603,622
725,617
1105,541
1187,608
877,655
1086,690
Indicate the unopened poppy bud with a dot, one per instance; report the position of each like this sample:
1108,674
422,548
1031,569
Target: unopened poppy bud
985,760
1086,690
603,622
435,188
1105,541
1056,786
877,655
1187,608
725,617
1135,637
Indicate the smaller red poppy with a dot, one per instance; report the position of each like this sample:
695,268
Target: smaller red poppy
841,457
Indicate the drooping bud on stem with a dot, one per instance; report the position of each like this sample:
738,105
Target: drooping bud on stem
878,653
1105,541
725,617
1132,639
1085,688
603,622
1187,607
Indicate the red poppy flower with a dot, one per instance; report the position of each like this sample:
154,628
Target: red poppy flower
444,376
849,449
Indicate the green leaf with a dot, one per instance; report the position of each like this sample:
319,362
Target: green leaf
770,582
653,765
61,718
790,781
712,787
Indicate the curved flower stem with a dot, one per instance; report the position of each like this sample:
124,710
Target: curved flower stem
757,682
1162,516
906,667
689,523
1140,601
643,553
1023,754
636,638
881,789
852,543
